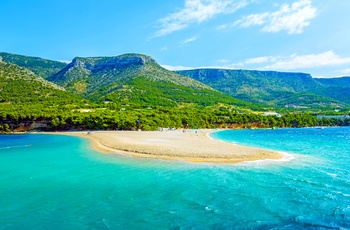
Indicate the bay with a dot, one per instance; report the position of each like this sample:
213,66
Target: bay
55,181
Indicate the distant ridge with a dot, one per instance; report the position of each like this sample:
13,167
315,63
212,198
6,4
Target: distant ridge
337,81
336,88
272,87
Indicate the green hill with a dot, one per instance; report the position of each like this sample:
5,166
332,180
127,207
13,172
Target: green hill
138,80
135,79
337,81
41,67
337,88
275,88
21,89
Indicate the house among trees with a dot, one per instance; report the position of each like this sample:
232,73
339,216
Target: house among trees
272,114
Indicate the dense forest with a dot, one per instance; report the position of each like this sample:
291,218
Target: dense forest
23,117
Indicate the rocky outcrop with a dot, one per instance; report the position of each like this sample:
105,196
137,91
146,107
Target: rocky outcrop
86,75
99,63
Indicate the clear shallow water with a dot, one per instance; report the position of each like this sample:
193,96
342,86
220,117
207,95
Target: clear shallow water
57,182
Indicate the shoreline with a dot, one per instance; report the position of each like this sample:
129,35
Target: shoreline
195,146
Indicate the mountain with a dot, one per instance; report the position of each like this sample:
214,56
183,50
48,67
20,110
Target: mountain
140,81
41,67
337,81
275,88
136,79
338,88
22,87
88,74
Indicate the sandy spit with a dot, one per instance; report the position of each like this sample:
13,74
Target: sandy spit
190,146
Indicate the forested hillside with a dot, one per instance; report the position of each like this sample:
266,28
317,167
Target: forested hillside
41,67
23,94
20,85
275,88
137,80
338,88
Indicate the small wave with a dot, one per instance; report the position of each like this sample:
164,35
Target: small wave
332,174
208,135
215,139
15,146
343,194
287,157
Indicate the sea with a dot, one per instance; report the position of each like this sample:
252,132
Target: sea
59,182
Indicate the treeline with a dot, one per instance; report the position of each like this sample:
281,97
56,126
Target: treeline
55,119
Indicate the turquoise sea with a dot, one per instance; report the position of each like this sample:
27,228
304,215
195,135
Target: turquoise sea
58,182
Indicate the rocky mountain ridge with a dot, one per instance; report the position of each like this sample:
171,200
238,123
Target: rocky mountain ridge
96,72
128,75
134,78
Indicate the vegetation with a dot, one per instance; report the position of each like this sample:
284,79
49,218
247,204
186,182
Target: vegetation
142,92
20,119
41,67
19,85
139,81
277,89
114,93
101,72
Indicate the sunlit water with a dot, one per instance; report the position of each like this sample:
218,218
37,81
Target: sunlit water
57,182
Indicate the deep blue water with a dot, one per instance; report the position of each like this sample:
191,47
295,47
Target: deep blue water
57,182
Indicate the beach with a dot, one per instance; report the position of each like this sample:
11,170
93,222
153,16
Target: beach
189,146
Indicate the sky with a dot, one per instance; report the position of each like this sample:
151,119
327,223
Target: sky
310,36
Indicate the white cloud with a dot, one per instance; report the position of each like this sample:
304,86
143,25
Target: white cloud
222,27
191,39
250,62
174,68
259,60
164,48
223,61
65,61
345,71
306,63
197,11
309,61
291,18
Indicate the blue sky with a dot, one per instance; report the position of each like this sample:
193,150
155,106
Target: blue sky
311,36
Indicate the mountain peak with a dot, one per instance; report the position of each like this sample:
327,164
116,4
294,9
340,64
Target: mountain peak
121,61
144,58
87,74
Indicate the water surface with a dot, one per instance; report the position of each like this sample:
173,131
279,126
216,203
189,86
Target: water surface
53,181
